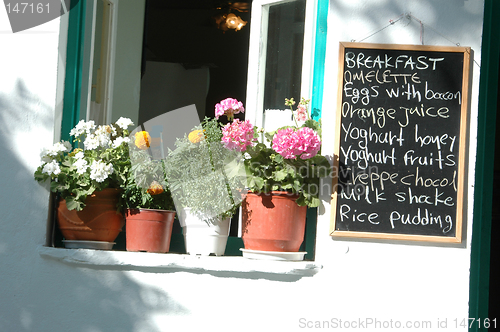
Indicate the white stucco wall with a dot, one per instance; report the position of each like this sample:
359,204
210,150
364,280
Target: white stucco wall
359,280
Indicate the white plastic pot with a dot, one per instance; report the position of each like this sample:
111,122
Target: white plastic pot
202,238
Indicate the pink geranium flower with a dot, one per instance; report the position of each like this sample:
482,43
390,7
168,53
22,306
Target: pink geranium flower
301,113
237,135
290,144
284,143
309,142
229,107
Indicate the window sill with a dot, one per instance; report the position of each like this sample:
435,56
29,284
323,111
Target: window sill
225,266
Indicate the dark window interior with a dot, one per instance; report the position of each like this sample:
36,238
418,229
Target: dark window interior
184,32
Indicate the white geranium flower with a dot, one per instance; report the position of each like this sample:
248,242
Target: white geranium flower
78,130
91,142
44,155
104,140
100,171
51,168
103,136
89,126
82,127
119,141
124,123
67,146
81,164
100,138
60,147
79,155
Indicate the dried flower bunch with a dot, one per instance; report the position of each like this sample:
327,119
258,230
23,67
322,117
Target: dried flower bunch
146,185
203,174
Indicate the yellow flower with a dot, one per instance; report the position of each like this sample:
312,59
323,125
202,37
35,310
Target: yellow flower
74,152
195,136
142,140
155,188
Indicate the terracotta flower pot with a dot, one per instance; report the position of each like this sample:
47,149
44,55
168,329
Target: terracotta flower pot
149,230
273,222
98,221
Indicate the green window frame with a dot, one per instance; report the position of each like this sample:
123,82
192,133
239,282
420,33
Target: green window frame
72,96
74,63
483,187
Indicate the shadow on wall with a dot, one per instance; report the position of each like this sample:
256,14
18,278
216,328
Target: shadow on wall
25,121
435,23
39,294
80,299
99,300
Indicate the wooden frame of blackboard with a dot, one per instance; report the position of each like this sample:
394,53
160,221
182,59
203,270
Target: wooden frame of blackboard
463,130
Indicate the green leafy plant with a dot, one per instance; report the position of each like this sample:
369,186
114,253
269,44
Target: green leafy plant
288,159
268,171
100,160
146,186
205,176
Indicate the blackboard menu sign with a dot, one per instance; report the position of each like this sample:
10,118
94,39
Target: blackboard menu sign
400,142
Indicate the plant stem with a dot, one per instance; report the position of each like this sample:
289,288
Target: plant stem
293,116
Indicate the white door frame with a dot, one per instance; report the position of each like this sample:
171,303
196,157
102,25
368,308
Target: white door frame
258,52
104,81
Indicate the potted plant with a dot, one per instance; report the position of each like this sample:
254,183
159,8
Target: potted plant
88,178
283,178
207,188
149,206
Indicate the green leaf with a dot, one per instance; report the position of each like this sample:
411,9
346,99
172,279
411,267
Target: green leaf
314,202
313,124
54,186
269,136
297,184
72,204
301,201
280,175
259,182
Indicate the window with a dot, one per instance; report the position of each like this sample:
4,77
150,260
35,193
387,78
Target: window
281,63
142,58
